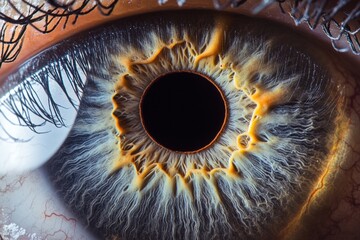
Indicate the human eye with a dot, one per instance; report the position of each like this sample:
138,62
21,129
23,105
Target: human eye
289,170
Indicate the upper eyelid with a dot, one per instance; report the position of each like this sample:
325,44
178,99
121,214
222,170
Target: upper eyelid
336,17
25,13
12,41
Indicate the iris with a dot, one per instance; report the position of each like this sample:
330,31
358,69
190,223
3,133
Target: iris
279,112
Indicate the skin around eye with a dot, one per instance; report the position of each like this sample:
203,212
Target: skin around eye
32,45
344,207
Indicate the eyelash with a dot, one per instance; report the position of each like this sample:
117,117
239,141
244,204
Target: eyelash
24,102
14,27
311,12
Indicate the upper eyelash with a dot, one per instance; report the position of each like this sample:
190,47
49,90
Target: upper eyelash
312,12
13,29
315,13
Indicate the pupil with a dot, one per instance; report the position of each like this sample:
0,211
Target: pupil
183,111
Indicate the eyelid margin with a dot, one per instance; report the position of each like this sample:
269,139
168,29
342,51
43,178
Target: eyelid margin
112,7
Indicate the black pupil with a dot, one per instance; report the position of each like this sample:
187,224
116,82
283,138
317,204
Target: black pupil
183,111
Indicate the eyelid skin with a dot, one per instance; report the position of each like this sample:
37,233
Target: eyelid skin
339,64
35,41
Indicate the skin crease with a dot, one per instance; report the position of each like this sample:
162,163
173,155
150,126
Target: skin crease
332,210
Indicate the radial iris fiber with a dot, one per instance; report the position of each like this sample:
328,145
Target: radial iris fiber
248,183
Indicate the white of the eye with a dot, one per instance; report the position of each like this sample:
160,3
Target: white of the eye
30,209
20,156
